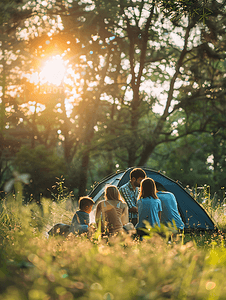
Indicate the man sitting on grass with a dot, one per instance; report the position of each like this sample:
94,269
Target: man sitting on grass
130,192
170,209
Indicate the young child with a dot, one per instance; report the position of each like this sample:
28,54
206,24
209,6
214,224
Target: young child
80,219
79,222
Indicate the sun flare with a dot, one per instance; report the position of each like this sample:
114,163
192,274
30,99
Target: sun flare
53,71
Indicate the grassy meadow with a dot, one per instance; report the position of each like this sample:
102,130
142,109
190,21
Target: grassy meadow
33,266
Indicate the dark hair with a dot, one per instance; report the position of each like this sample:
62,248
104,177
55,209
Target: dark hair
137,173
148,188
84,202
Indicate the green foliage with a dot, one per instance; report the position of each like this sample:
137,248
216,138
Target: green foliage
163,231
43,165
185,160
214,204
177,9
9,9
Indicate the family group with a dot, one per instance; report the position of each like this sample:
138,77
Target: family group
126,209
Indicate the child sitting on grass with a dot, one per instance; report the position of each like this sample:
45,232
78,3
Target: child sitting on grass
79,222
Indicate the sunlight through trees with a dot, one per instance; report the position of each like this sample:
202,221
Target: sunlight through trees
113,84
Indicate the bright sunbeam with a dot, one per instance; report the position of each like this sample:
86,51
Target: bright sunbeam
53,71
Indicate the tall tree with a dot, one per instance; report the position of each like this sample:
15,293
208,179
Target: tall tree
148,57
128,57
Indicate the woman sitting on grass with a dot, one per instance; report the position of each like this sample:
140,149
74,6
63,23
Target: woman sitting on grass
112,212
149,206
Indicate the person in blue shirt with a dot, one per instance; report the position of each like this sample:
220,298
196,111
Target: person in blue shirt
170,210
80,220
149,206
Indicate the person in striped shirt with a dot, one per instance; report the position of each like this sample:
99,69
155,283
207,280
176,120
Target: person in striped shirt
130,192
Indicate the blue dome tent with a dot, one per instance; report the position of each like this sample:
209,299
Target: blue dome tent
193,215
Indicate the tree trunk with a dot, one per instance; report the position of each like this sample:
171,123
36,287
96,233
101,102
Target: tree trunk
136,82
155,140
82,191
65,131
3,91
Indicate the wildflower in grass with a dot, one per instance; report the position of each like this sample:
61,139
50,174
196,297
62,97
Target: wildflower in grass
210,285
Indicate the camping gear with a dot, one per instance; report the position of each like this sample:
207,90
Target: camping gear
59,229
192,214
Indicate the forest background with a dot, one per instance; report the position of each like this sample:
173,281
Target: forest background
143,84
